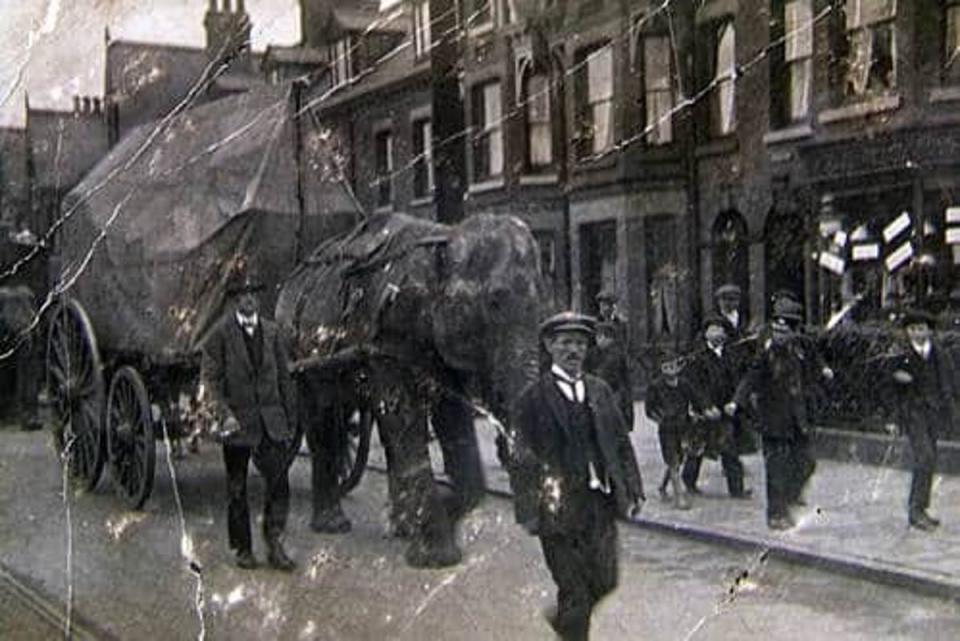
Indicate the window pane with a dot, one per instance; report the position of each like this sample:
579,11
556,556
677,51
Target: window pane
726,92
538,99
602,126
600,74
800,73
798,19
539,139
491,105
656,63
659,106
952,44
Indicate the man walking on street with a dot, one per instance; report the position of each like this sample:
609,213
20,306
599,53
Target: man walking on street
573,469
923,380
245,375
777,377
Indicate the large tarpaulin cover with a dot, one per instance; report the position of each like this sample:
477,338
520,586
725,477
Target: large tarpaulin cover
154,230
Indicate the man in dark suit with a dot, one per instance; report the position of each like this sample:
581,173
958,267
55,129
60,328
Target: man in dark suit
713,375
246,379
778,377
573,470
923,379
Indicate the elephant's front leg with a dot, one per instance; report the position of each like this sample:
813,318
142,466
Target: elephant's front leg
453,422
403,429
324,430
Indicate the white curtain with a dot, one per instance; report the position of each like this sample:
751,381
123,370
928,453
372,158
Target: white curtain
600,96
492,125
658,89
726,78
538,120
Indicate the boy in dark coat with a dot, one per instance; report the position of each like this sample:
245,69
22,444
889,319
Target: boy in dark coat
923,379
669,403
573,470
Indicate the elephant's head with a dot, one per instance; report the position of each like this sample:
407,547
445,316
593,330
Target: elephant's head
485,321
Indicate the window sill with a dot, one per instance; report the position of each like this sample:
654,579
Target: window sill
421,202
945,94
868,107
539,179
486,185
718,147
604,160
794,132
383,209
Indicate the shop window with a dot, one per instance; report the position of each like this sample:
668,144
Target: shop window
423,158
594,89
383,148
870,41
488,132
539,133
791,68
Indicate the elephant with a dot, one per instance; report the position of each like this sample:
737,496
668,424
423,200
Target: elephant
412,319
17,313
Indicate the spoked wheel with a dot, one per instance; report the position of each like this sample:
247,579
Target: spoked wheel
357,426
130,441
75,381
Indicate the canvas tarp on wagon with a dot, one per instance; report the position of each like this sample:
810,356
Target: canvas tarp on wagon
174,205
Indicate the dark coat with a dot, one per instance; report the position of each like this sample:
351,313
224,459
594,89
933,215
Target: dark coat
260,396
610,364
539,460
778,376
929,397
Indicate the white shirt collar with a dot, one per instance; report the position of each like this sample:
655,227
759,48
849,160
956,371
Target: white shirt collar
922,348
573,389
733,317
248,323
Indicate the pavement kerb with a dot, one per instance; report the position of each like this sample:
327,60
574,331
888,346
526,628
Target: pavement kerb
897,575
48,609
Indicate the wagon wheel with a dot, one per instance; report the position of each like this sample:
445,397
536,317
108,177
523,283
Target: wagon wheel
130,439
75,381
357,427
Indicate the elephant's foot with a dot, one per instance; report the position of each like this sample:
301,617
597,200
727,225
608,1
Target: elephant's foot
421,555
330,521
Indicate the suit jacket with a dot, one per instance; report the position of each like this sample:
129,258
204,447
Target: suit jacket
778,376
539,470
610,364
929,397
260,396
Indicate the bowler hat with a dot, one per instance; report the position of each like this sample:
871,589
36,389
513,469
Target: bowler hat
728,289
569,321
243,285
607,295
918,317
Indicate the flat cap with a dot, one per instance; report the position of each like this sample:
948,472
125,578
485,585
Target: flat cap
787,309
918,317
569,321
728,289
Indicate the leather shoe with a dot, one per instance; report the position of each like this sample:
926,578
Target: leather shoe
278,559
330,521
923,521
780,523
246,561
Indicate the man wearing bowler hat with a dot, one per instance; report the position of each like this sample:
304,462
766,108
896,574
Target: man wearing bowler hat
573,471
923,380
777,376
247,381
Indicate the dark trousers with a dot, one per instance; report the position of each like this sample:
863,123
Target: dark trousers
327,440
272,460
789,465
732,469
923,445
583,563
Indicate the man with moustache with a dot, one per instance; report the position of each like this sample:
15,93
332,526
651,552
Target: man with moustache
573,471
